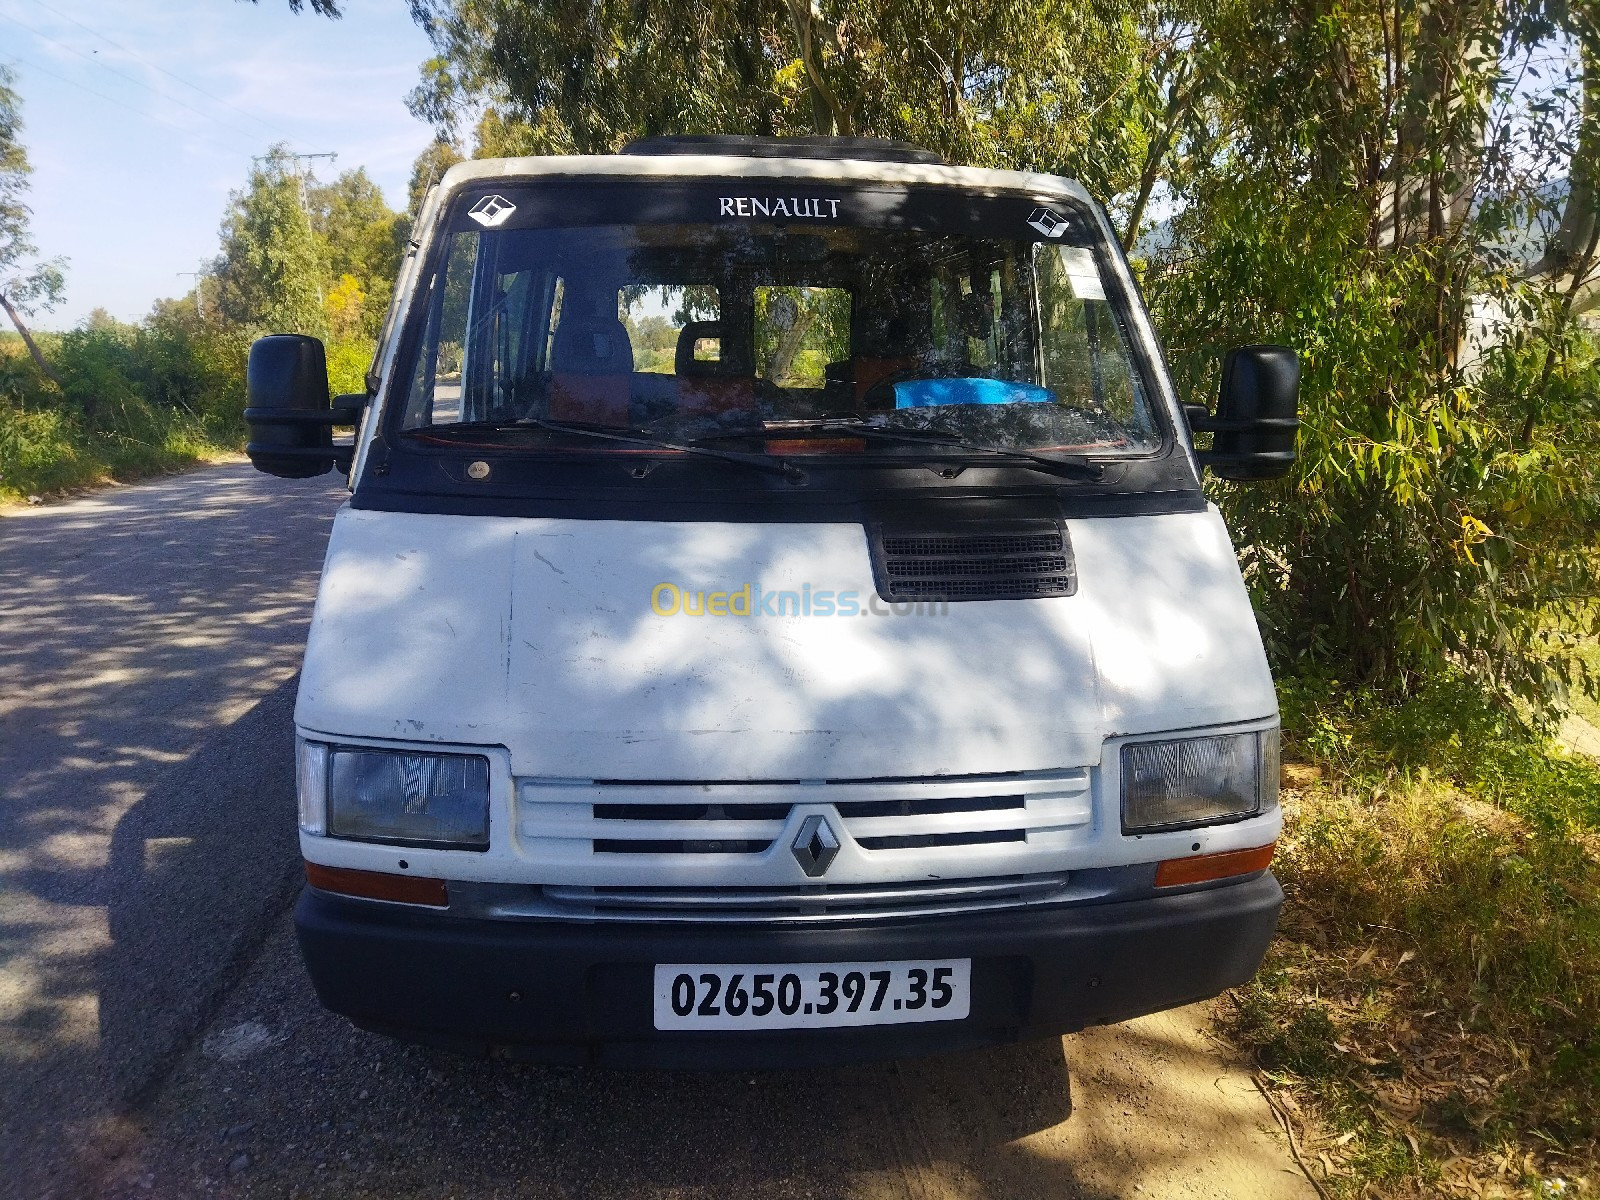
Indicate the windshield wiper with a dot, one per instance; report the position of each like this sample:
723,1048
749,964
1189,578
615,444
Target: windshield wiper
769,463
1067,468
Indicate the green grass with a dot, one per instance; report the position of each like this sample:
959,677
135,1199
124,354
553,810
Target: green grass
45,452
132,402
1434,995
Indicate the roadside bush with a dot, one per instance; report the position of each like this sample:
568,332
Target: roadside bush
1443,515
42,451
138,400
1432,1002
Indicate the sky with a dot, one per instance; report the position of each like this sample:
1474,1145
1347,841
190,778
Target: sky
140,118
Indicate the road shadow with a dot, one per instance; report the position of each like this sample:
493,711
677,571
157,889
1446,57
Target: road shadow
148,642
202,865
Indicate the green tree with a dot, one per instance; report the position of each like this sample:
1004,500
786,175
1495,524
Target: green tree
270,270
430,166
1026,83
26,284
356,227
1375,171
1356,177
359,243
328,8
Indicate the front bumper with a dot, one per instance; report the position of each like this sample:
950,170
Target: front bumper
580,992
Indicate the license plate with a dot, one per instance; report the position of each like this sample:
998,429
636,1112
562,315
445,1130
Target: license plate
810,995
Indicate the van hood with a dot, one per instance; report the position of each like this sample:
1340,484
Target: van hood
539,635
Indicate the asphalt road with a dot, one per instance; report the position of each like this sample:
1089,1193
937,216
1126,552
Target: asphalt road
158,1036
149,638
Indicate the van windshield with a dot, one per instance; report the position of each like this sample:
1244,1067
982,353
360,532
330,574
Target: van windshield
707,329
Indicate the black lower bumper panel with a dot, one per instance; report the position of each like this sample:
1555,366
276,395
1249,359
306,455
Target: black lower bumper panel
581,992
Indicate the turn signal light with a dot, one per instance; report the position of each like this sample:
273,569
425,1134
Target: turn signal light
378,885
1203,868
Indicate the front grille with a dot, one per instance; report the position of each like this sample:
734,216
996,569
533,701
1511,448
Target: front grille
1010,560
727,838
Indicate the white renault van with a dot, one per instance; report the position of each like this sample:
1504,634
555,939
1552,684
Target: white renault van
776,620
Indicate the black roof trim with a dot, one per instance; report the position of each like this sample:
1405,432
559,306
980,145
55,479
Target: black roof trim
864,148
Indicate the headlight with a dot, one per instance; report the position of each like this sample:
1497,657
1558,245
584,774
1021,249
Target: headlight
1197,781
395,796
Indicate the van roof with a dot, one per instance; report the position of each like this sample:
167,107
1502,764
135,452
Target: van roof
865,149
719,164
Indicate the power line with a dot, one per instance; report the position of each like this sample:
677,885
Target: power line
133,79
155,65
124,105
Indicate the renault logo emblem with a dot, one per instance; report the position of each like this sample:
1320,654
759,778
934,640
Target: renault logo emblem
815,846
1048,222
491,211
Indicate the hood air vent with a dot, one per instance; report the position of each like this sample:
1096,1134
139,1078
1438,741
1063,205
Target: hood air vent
992,560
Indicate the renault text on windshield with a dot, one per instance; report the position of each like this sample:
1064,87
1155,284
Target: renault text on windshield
778,206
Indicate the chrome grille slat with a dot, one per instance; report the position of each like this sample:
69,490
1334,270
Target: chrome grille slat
815,902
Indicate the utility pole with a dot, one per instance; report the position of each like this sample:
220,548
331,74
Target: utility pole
301,176
297,159
197,276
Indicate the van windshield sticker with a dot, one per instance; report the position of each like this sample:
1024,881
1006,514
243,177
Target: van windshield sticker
816,207
1077,264
1048,222
491,211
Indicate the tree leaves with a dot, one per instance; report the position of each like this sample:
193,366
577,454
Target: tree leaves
1444,512
1042,84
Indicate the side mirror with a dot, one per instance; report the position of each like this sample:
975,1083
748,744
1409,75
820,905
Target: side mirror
1257,415
290,414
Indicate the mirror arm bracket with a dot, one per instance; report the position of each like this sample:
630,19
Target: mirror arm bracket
277,416
342,453
1206,423
1211,458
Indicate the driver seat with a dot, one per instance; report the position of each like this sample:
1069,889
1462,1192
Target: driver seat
591,368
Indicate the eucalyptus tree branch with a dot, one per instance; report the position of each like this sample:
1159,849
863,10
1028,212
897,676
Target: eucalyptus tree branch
27,340
807,21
